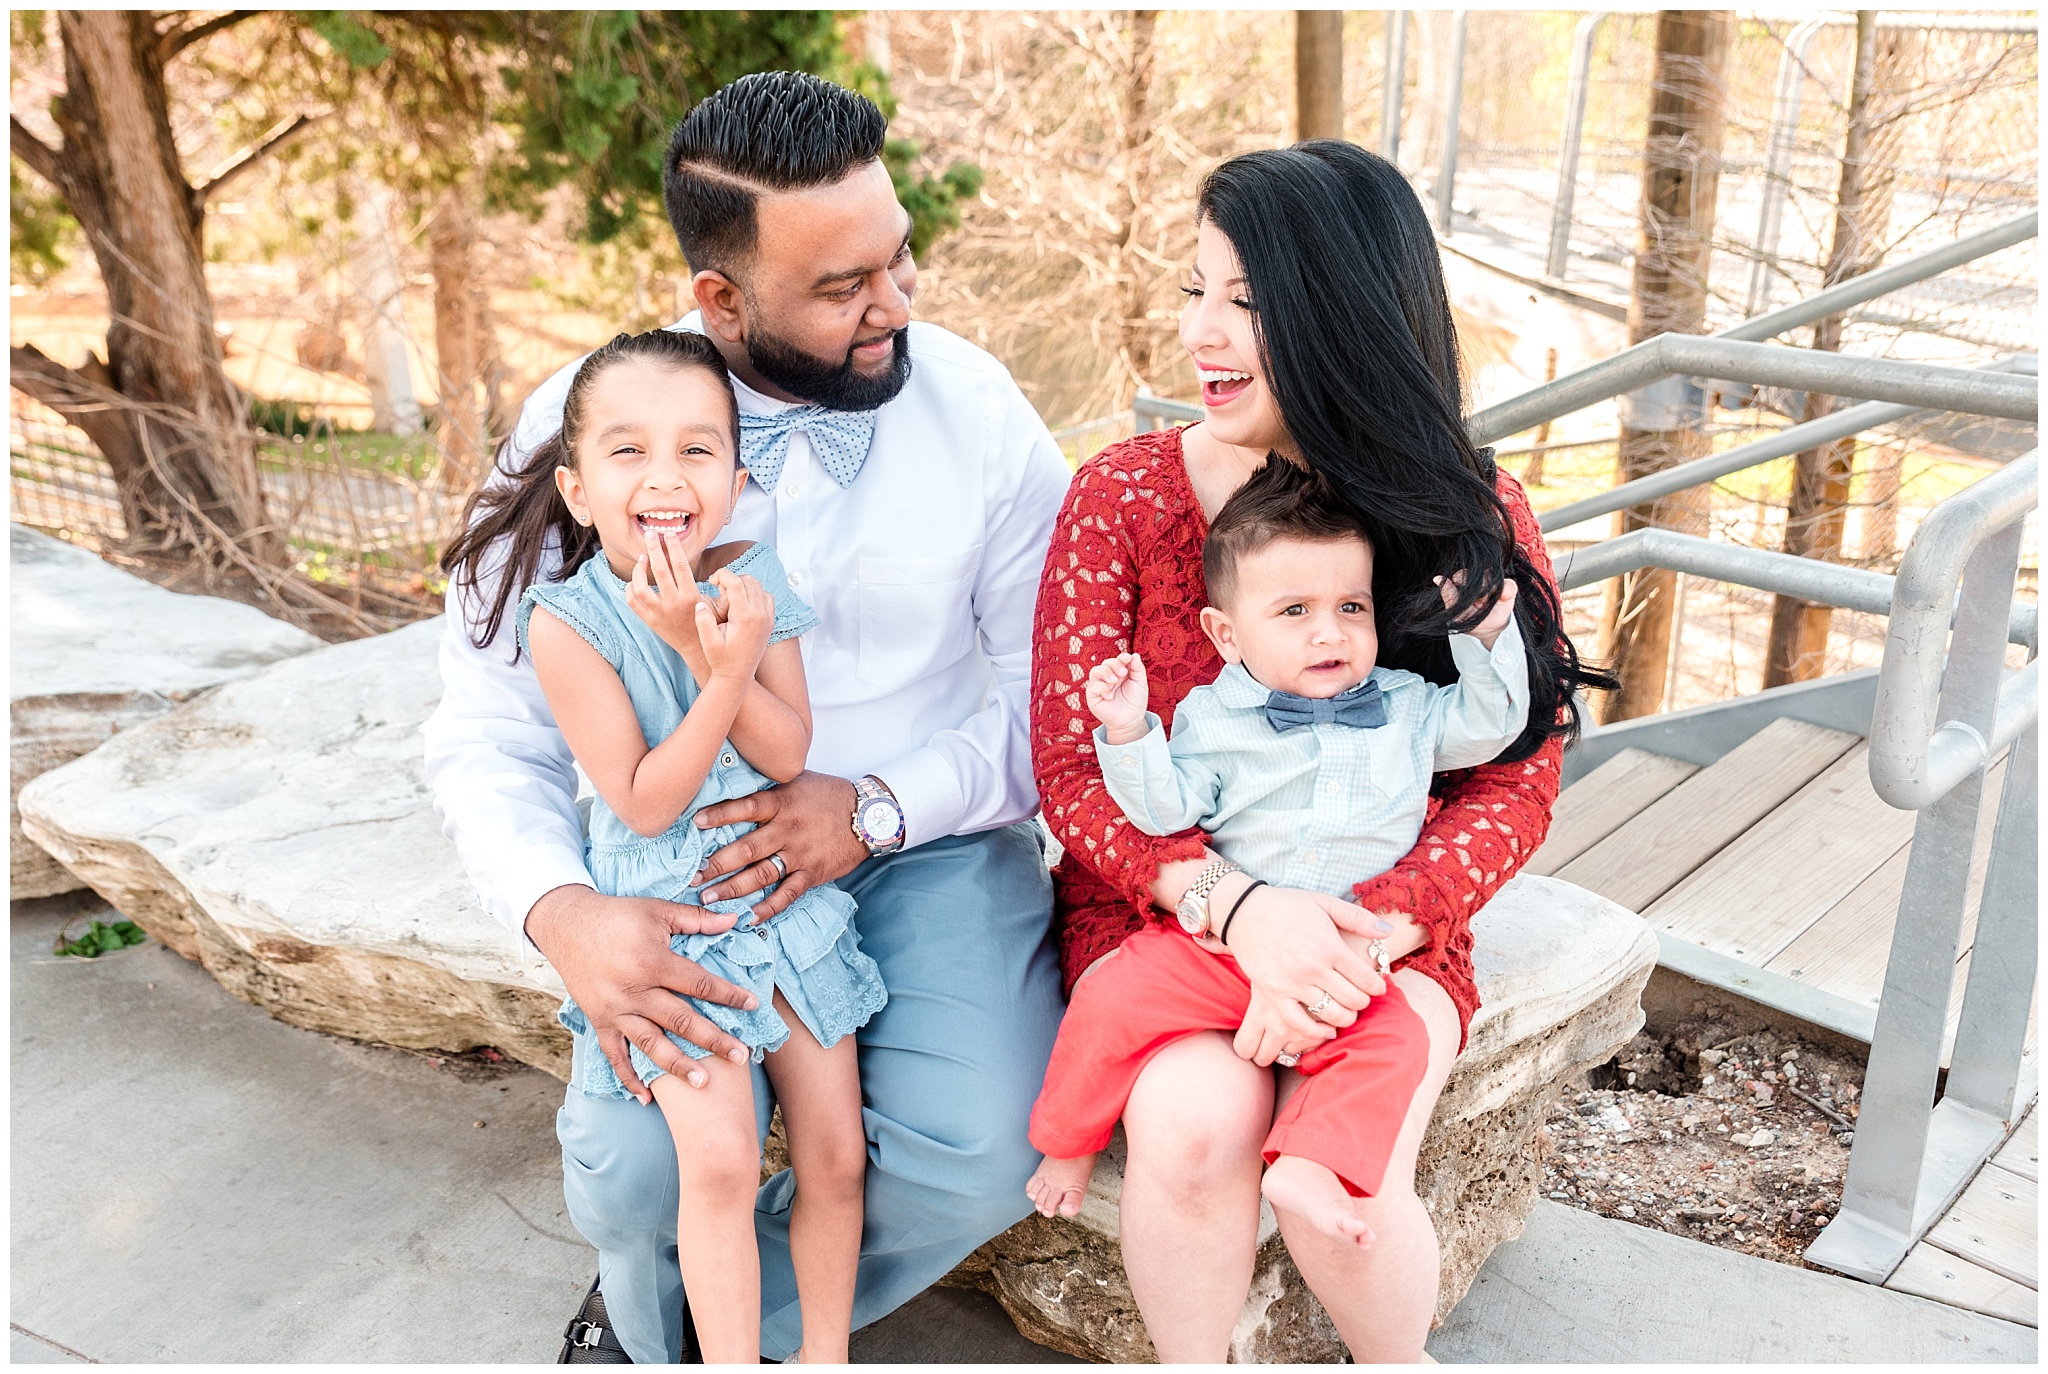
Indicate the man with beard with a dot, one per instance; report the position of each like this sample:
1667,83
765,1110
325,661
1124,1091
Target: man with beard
910,490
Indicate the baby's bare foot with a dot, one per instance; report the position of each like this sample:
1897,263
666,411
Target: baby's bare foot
1059,1185
1308,1190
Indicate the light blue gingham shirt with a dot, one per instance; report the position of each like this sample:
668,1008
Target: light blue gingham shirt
1324,806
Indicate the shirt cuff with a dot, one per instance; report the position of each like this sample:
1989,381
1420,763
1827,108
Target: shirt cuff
927,788
528,874
1507,658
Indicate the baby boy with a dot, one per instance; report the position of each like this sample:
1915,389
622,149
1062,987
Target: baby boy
1309,767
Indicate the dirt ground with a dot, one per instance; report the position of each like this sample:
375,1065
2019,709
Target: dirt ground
1738,1140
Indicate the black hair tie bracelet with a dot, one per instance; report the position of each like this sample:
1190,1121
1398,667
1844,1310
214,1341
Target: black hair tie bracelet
1223,935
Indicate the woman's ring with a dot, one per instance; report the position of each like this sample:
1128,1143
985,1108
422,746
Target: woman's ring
1316,1012
1286,1060
781,868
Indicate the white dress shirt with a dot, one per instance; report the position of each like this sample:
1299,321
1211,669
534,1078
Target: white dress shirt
924,574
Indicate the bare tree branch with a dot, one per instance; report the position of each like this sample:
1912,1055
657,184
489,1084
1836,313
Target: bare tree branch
41,158
86,396
177,40
241,162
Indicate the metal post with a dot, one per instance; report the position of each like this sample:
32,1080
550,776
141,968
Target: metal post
1568,149
1391,87
1454,83
1894,1189
1984,1067
1778,161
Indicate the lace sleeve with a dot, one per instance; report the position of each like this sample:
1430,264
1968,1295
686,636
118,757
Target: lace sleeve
1088,599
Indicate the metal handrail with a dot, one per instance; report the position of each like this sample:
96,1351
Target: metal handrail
1799,369
1793,439
1915,761
1576,87
1533,407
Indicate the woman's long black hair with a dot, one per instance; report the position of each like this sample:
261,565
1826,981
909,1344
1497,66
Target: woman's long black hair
518,514
1357,345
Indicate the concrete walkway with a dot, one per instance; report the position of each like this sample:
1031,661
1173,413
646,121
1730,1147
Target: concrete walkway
1581,1289
195,1182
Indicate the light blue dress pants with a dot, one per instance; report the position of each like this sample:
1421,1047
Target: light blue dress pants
962,928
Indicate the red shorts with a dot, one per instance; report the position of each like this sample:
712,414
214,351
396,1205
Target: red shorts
1160,987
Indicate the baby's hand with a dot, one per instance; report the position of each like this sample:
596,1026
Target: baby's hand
1117,695
734,648
1496,620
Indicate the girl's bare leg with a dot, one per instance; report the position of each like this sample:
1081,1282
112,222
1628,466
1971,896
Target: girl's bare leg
1190,1213
819,1090
719,1157
1382,1298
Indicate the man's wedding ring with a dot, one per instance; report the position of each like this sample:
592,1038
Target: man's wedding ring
781,868
1316,1012
1286,1060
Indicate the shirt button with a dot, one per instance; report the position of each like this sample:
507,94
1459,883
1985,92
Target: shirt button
1330,788
796,579
1309,855
728,760
795,488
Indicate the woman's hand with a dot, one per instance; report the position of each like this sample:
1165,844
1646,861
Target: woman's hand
733,648
663,592
1291,946
1266,1033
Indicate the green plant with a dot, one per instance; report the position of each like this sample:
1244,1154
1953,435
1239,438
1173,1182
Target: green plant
101,938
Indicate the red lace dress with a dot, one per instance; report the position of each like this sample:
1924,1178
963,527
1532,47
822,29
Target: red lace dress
1125,572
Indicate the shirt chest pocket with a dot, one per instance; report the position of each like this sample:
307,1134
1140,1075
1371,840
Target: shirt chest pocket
916,616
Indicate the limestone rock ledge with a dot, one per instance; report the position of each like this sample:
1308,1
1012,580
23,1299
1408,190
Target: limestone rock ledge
280,832
1561,974
95,651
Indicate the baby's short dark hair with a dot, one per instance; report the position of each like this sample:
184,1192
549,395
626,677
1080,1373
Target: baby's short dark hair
1281,501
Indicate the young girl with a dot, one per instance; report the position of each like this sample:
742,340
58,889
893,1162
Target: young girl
675,694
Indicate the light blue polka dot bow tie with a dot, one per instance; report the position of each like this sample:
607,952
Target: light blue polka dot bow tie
840,438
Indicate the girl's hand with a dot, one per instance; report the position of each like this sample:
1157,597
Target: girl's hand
1291,947
663,592
1117,695
1488,629
1265,1033
733,649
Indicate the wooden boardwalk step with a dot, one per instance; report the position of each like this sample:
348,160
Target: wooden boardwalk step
1845,951
2021,1153
1929,1272
1761,893
1993,1225
1598,804
1650,853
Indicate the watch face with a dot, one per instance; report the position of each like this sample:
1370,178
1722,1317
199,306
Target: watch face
1190,915
879,819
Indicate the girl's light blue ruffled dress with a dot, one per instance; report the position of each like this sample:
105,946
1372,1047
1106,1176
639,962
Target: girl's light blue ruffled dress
811,952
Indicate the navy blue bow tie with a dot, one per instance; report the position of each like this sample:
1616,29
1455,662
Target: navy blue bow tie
1360,707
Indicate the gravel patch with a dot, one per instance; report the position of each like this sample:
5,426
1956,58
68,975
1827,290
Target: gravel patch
1738,1141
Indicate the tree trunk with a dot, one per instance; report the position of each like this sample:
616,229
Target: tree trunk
1661,425
1798,645
1135,335
160,408
458,339
1318,74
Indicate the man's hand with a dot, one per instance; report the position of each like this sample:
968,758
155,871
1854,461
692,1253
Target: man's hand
613,954
1117,695
808,821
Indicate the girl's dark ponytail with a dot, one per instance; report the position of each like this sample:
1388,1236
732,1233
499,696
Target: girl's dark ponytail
518,515
509,526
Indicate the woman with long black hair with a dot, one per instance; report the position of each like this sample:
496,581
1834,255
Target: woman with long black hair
1319,325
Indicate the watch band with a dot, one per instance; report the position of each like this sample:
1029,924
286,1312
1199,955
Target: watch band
1197,893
